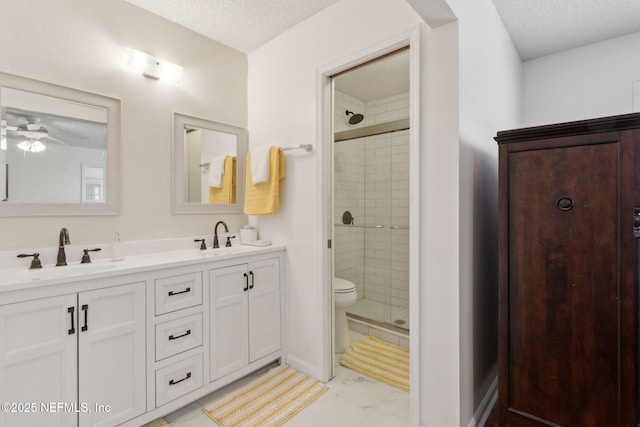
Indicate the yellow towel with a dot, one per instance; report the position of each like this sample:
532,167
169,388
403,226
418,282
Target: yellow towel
225,195
264,199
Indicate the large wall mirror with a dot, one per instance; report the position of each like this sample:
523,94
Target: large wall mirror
59,152
208,166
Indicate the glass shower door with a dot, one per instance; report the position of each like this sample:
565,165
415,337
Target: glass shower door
399,230
378,237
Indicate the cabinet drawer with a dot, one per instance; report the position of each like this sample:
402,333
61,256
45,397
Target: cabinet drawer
177,292
178,335
178,379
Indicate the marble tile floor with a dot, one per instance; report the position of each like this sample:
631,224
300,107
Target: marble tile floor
352,400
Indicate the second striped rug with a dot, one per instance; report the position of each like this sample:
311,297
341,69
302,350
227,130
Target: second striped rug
269,400
379,360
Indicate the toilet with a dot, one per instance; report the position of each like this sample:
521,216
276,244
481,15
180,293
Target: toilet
344,294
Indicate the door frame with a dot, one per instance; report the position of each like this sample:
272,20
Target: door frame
324,169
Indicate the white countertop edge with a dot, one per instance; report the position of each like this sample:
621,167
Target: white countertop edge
24,279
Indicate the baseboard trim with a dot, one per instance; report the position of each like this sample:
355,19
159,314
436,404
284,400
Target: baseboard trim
303,367
484,409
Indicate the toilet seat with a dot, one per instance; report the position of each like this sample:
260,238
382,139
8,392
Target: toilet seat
342,286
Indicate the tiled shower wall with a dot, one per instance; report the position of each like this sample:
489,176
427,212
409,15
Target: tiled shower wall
372,182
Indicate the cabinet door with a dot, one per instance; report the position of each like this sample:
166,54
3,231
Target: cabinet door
229,319
264,308
38,361
111,365
563,286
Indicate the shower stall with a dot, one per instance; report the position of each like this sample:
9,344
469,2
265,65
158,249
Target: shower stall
371,106
371,221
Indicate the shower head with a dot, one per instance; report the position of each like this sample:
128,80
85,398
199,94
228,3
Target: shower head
355,118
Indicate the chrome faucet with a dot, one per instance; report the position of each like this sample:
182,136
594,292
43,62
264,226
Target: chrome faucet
215,233
64,240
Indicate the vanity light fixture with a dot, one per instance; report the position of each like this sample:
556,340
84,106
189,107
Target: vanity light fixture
152,67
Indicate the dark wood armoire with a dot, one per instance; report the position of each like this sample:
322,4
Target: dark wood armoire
569,233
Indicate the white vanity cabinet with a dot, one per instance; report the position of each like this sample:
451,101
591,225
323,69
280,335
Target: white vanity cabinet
125,343
245,314
75,359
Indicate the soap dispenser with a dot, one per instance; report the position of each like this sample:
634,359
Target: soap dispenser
117,248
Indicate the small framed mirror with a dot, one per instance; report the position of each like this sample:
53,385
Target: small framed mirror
208,166
59,152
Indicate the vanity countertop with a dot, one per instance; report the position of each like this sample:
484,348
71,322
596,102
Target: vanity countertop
22,279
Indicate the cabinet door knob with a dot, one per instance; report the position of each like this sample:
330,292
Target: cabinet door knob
565,204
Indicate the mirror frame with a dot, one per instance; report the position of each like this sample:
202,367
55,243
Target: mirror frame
111,206
179,205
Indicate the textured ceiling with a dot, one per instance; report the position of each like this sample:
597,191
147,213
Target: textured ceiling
241,24
542,27
536,27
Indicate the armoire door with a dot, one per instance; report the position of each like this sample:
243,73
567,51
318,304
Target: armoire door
569,274
564,281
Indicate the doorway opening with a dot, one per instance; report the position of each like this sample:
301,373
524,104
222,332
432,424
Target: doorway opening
371,188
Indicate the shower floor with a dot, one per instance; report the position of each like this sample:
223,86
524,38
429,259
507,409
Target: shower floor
375,310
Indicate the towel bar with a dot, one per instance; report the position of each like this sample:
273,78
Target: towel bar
305,147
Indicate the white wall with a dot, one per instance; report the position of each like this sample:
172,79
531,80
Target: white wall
283,75
489,99
81,44
591,81
490,82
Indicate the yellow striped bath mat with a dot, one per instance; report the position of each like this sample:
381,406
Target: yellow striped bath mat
379,360
267,401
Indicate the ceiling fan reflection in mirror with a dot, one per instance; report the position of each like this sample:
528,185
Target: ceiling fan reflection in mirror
33,132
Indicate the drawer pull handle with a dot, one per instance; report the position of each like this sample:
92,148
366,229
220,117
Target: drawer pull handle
85,308
246,282
70,310
171,337
174,382
252,279
171,293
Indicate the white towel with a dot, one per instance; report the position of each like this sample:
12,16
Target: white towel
216,171
260,161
